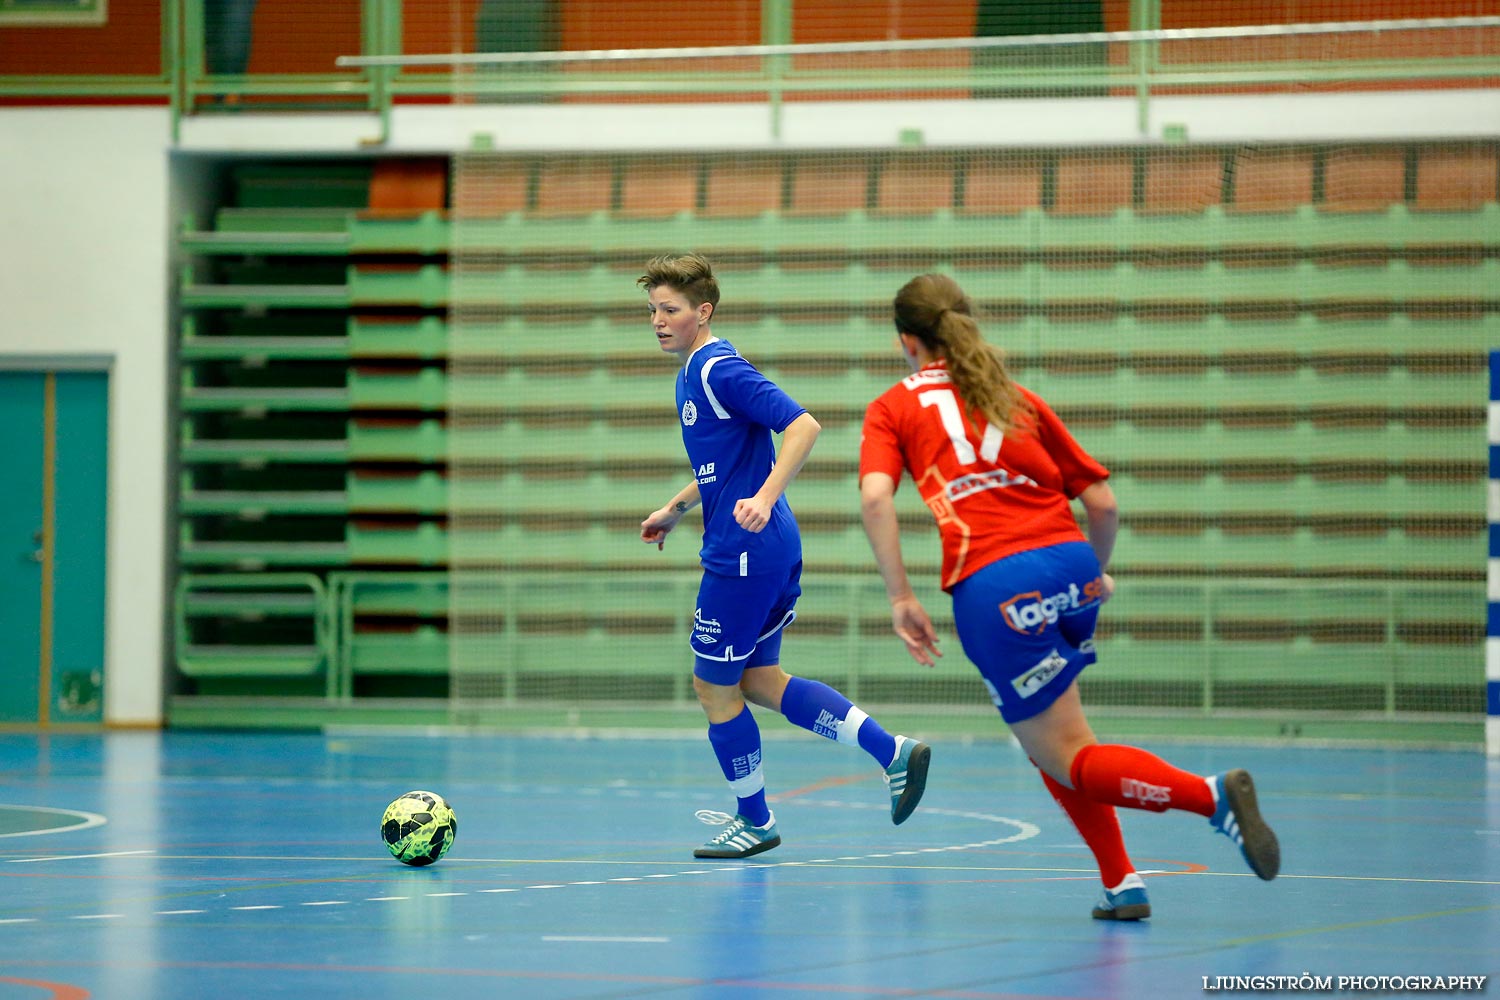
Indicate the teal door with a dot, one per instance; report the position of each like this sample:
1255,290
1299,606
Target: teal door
54,439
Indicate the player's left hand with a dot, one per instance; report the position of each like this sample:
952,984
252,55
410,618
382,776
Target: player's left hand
752,514
1107,587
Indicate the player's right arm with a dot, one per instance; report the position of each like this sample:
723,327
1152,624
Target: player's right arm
659,523
877,508
1104,523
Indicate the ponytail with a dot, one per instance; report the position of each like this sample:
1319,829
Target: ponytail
932,308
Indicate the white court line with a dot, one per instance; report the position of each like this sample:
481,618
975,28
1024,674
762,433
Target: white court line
1023,831
86,820
75,857
600,939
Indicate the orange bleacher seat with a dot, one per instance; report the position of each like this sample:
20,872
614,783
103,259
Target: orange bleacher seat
1456,178
1003,185
1272,180
574,187
829,185
494,190
915,185
1093,184
1364,180
659,188
408,185
743,185
1181,181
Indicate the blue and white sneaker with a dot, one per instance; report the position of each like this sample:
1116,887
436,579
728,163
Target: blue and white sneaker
1126,901
1238,818
741,839
907,777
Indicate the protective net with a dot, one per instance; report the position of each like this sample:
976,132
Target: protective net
1277,346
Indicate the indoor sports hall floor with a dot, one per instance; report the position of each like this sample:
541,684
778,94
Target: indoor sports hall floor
241,865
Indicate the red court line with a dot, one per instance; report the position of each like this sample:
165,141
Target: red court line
59,991
672,981
818,786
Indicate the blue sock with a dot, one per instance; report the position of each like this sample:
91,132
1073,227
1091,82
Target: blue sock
815,706
737,745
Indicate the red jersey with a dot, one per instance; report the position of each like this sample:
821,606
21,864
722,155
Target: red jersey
993,495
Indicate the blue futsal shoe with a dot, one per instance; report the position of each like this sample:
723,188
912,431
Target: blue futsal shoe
1126,901
907,777
741,839
1238,818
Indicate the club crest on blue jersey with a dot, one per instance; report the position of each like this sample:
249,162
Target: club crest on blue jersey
689,414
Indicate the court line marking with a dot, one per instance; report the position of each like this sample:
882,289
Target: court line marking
73,857
604,939
1023,831
1357,924
88,820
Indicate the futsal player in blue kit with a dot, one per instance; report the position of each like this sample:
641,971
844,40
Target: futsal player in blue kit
751,558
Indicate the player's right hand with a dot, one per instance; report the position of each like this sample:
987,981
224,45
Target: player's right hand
912,624
656,527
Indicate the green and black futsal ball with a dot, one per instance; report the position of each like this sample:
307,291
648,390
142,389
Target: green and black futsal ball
419,827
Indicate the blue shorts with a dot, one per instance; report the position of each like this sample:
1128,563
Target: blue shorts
1027,622
738,621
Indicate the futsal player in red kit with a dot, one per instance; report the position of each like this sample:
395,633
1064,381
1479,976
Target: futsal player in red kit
998,470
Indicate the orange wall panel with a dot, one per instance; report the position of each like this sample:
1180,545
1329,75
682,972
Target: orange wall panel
286,40
128,43
1219,13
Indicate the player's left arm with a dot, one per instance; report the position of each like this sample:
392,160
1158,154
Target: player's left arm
754,513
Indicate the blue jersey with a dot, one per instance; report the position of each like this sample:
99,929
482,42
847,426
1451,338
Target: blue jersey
728,411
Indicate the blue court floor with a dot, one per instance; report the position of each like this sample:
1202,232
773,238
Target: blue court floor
213,866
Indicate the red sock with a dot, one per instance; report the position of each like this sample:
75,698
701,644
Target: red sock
1100,829
1131,777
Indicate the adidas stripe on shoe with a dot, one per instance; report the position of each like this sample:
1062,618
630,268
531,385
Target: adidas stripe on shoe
1238,818
741,839
1126,901
907,777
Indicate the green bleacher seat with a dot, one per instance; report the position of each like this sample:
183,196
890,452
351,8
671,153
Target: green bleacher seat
425,338
1303,495
416,389
282,221
427,285
301,184
420,649
424,233
424,492
415,440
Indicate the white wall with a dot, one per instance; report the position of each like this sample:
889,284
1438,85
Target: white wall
83,271
870,124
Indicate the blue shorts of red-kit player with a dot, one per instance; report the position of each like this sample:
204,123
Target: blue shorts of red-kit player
738,621
1027,622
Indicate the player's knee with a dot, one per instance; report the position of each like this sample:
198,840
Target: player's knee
716,697
764,686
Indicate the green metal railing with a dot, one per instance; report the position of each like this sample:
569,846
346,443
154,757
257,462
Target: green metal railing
379,74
